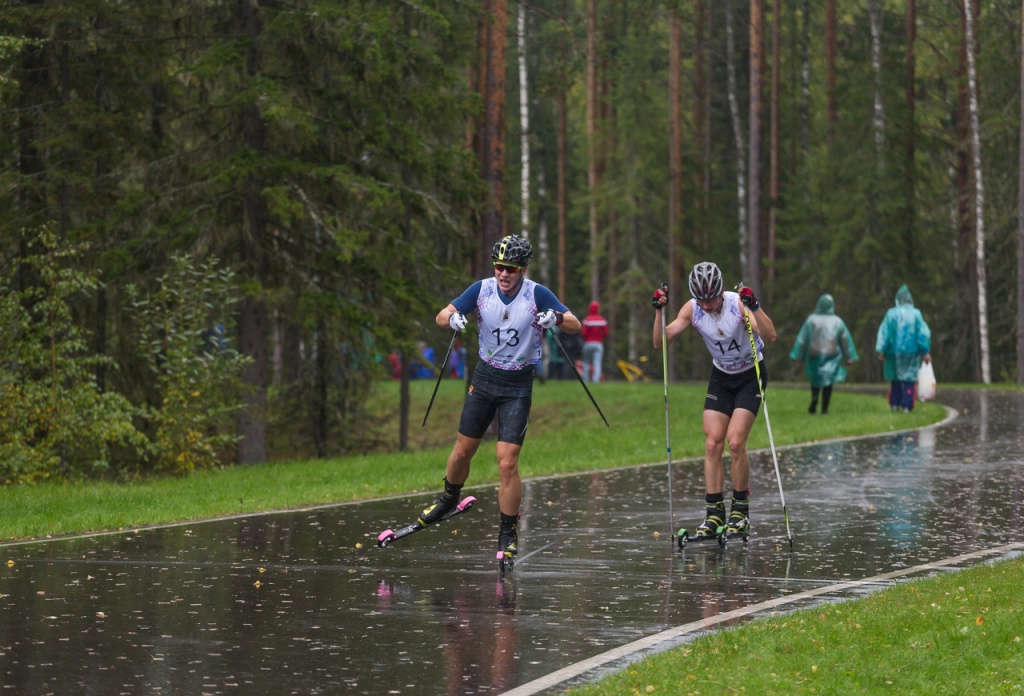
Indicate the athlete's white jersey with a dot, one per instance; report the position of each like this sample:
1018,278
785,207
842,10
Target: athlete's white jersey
510,338
725,335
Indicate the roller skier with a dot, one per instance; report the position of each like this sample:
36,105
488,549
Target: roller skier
512,313
733,397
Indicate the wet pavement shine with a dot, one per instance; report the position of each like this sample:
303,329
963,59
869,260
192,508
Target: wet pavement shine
304,602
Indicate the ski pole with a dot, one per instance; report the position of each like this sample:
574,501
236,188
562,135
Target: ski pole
767,422
568,360
440,374
668,438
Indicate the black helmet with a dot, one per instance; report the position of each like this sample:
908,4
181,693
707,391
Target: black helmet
512,249
705,281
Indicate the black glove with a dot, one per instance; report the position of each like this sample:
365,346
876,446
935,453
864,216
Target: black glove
747,297
658,295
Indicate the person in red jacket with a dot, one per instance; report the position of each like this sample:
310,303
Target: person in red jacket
594,331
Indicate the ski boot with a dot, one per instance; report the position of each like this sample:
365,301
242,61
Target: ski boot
508,540
446,502
711,527
738,524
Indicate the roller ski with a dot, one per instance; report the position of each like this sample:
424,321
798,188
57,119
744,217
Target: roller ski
716,527
712,529
443,509
508,543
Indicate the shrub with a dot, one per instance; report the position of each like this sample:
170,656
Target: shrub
183,327
54,421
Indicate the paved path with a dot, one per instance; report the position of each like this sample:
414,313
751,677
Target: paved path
304,602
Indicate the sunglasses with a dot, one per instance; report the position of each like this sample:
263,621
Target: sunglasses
500,267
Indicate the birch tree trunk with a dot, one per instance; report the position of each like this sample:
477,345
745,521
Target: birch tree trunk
737,130
967,341
979,194
524,133
878,123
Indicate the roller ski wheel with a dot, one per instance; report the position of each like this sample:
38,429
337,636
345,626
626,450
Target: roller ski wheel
744,535
683,537
388,535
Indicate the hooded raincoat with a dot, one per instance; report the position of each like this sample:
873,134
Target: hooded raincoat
903,338
824,344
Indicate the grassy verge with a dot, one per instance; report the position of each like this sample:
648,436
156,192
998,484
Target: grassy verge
566,435
959,633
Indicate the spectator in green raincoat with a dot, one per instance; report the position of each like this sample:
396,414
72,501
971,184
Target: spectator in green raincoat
903,341
823,345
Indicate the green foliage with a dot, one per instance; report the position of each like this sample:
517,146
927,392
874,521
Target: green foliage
54,421
127,122
183,328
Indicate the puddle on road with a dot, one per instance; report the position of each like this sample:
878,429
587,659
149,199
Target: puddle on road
287,603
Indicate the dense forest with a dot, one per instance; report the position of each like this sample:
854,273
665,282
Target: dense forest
219,218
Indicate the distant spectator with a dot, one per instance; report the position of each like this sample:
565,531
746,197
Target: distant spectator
594,331
903,341
395,365
457,363
823,345
424,367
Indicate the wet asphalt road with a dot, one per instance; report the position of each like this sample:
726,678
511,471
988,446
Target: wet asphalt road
287,603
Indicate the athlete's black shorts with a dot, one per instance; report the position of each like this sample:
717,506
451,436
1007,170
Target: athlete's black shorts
505,393
727,392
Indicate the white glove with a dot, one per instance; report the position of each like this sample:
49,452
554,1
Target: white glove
547,318
457,321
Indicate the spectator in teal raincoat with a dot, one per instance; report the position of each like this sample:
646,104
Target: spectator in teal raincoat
903,341
823,345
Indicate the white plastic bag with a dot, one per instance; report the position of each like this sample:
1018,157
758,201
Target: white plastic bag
925,382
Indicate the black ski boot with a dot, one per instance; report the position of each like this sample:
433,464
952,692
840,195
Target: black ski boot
739,516
448,501
714,521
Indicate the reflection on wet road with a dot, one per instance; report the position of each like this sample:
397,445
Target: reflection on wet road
305,602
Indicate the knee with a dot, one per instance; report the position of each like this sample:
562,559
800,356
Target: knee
462,454
713,447
508,467
737,445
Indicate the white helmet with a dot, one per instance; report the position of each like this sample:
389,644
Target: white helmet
705,281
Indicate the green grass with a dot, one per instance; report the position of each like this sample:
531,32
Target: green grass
566,435
959,633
